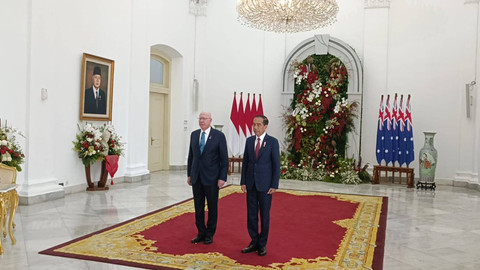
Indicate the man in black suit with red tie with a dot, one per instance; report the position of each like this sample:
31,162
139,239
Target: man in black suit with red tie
207,173
260,177
95,98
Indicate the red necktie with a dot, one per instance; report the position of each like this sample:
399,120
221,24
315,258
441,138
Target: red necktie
257,148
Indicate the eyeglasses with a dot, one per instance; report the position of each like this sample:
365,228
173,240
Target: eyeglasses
203,119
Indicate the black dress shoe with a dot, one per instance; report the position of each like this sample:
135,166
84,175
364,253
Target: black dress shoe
208,240
262,251
197,239
249,249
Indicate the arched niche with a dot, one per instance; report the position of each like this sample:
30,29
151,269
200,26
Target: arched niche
321,45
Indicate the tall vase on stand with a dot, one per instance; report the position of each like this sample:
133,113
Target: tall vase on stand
428,163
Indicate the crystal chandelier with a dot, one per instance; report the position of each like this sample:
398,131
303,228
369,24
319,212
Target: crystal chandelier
287,16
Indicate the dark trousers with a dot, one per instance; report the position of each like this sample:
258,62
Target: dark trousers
200,193
258,202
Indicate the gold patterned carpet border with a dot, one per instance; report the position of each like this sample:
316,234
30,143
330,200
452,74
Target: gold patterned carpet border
138,242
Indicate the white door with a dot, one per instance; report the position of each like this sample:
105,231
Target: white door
158,150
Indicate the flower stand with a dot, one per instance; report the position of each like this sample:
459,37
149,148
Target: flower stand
101,183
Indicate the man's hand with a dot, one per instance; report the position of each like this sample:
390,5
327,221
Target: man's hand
189,181
220,183
271,191
244,188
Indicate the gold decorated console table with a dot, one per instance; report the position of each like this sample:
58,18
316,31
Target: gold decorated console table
8,207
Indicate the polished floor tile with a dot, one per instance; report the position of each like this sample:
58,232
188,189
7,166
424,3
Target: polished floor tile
425,230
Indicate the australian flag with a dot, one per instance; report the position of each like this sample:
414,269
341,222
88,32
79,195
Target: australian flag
402,135
388,127
395,130
410,156
380,133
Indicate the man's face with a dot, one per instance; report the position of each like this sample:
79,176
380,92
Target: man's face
204,120
96,80
258,126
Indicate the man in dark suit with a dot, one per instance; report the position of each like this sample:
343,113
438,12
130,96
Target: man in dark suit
95,98
207,173
260,177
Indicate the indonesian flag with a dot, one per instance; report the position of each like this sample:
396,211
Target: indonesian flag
234,129
260,106
248,117
254,111
243,126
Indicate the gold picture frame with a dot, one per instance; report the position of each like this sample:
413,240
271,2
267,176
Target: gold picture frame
96,92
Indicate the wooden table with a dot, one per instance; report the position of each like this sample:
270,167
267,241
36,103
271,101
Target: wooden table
8,208
231,164
377,169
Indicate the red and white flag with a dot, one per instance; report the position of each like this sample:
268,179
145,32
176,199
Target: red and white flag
260,105
254,108
248,115
234,129
243,126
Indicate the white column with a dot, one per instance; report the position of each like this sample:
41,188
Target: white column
375,79
137,142
39,183
476,98
469,149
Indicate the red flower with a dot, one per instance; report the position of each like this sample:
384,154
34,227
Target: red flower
312,77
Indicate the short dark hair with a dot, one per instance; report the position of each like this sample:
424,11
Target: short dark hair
265,119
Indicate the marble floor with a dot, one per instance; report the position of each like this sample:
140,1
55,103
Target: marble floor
425,230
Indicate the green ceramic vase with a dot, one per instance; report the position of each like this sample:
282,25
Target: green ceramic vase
428,159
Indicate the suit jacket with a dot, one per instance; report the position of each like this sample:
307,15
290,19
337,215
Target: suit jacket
90,105
213,163
264,171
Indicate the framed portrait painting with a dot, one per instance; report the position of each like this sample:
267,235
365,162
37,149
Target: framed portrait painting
96,89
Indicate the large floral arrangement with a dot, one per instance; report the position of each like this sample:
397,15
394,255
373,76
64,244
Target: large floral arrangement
88,144
94,143
10,151
318,121
112,139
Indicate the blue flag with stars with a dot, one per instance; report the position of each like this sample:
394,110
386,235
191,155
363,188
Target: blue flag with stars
410,155
402,136
380,133
387,125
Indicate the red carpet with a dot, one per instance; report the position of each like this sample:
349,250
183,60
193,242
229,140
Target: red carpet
308,229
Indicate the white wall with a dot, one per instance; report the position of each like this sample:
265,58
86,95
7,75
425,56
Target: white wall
13,66
430,53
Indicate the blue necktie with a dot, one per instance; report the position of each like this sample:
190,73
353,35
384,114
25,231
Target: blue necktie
202,142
